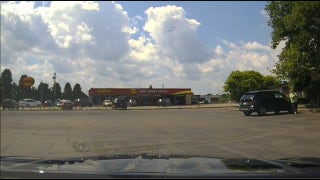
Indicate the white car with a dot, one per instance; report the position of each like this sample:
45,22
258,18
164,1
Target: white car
39,103
107,103
28,103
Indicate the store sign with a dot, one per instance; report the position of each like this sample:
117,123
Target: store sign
28,81
153,91
133,91
103,91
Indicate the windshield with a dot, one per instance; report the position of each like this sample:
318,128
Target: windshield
198,85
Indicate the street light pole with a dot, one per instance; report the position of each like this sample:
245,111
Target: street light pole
54,87
41,91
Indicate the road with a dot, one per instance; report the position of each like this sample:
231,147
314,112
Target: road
213,132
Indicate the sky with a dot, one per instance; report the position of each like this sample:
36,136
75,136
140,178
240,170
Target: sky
124,44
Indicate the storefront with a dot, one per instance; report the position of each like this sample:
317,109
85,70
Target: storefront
144,96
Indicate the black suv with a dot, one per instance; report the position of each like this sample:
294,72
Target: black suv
119,103
264,101
9,104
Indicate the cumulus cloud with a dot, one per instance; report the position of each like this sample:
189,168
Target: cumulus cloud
174,34
255,46
70,36
92,43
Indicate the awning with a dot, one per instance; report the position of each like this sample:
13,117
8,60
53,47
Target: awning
183,92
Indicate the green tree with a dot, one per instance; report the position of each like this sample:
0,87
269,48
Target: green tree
240,82
77,92
67,92
43,92
270,82
6,84
56,92
297,23
15,91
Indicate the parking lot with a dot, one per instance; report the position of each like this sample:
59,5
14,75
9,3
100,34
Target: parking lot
194,130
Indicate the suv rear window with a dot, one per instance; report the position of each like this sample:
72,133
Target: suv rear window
247,97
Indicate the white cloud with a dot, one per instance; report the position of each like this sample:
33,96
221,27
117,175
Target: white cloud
90,43
255,45
264,13
175,35
142,49
219,51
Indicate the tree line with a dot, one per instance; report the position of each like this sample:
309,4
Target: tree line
43,92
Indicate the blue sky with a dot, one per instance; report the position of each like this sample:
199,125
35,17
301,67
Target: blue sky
179,44
231,20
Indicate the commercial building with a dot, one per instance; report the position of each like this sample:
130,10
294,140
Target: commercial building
144,96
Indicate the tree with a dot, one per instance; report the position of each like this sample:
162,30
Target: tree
297,23
240,82
56,92
270,82
77,93
67,92
6,84
15,91
43,92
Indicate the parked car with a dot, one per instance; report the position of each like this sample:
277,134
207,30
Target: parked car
58,103
39,104
107,103
164,102
264,101
132,102
119,103
66,104
82,102
9,104
48,103
28,103
204,102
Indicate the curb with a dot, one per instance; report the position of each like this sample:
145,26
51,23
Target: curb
234,108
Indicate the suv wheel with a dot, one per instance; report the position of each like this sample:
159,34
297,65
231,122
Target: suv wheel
277,111
262,111
247,113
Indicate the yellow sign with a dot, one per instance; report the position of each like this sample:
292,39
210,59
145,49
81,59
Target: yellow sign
133,91
103,91
28,82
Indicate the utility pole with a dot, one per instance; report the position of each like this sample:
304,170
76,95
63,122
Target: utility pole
41,91
54,87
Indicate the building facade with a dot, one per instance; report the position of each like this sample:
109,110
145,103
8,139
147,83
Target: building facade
144,96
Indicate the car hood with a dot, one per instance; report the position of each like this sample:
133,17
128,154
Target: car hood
157,166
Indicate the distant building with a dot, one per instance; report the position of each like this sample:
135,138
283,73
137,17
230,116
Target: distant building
211,98
144,96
